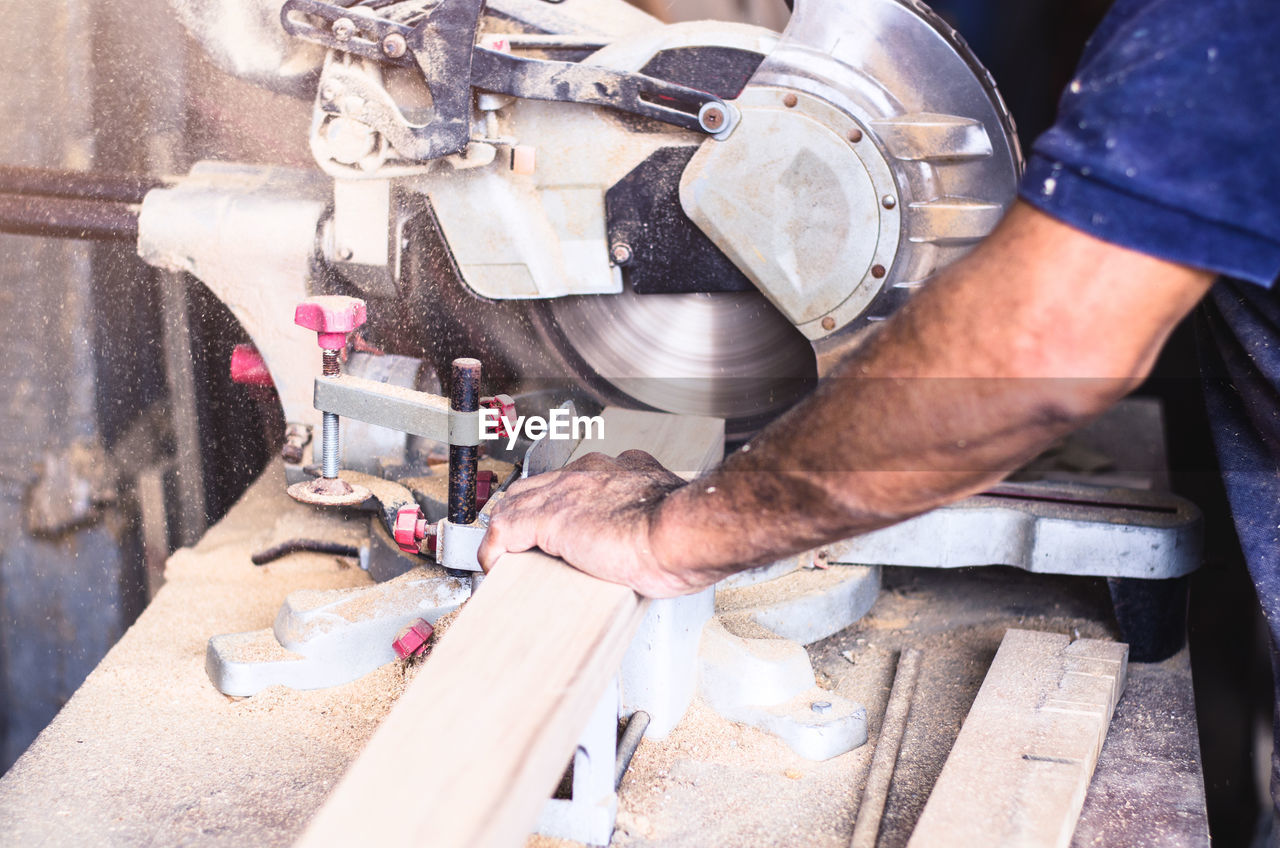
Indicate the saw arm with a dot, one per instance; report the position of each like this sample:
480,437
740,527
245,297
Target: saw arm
441,43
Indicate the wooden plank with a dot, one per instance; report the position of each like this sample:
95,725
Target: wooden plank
477,743
685,444
1020,767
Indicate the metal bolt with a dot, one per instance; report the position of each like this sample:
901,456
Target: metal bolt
877,271
621,253
888,201
344,28
855,135
821,707
394,45
712,119
332,318
790,101
828,323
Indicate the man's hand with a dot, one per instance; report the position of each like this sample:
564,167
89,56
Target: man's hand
597,514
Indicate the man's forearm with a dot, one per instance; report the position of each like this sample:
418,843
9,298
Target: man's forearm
980,372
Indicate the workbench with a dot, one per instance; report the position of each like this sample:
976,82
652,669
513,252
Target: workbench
148,753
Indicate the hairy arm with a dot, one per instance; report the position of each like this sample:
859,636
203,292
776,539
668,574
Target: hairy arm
1037,331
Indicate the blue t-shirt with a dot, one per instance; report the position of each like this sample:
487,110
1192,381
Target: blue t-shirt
1168,137
1168,142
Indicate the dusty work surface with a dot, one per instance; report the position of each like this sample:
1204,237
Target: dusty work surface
148,753
713,783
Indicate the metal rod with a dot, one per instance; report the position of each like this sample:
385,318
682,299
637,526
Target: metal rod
631,736
77,185
331,428
464,396
866,828
294,546
60,217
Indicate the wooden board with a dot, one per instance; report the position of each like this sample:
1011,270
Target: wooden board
685,444
1020,767
475,746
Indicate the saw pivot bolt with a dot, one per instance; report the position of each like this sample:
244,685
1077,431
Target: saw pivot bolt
410,529
332,317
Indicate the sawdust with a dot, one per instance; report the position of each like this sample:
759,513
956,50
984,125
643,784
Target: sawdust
716,783
803,581
444,622
148,752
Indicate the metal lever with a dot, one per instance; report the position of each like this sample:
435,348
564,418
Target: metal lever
442,46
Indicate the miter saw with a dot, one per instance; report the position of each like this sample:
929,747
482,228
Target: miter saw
692,218
683,217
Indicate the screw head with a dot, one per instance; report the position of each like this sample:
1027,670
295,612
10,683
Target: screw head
855,135
712,118
821,707
888,201
790,101
877,271
828,323
621,253
394,45
344,28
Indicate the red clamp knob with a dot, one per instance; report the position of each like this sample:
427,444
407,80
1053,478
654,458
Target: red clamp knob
248,368
413,640
506,407
332,317
409,529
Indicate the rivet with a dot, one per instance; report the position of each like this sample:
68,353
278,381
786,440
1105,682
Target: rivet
343,29
790,101
888,201
855,135
828,323
877,271
394,45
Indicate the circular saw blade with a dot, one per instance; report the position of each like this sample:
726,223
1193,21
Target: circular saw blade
729,355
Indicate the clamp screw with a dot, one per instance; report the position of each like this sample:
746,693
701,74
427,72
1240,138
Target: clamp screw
621,253
394,45
344,28
332,317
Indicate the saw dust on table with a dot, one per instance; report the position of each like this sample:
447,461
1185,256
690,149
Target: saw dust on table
149,752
